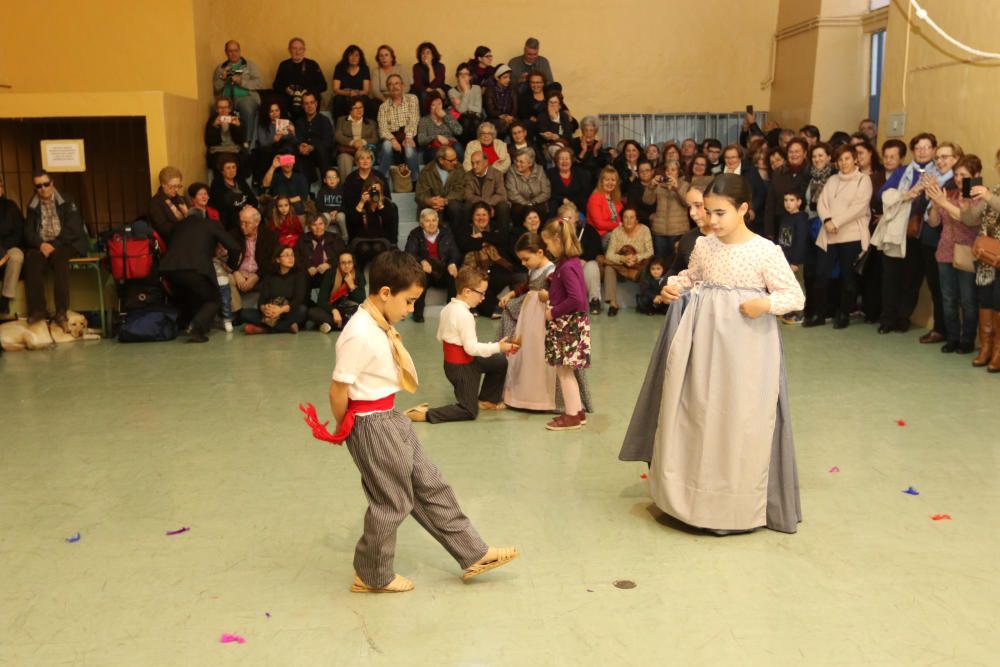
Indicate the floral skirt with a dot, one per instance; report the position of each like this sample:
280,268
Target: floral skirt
567,341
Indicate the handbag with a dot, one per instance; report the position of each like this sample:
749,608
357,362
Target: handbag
963,259
986,250
860,264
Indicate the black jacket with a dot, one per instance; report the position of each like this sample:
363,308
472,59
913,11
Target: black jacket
352,189
317,132
292,286
333,245
305,75
578,191
783,181
684,249
11,225
633,198
468,243
381,223
192,246
448,250
73,233
161,216
590,242
213,133
230,201
264,250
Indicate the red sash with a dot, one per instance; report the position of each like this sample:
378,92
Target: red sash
456,354
354,407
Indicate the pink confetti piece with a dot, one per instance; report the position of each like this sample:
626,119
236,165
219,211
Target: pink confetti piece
834,469
941,517
643,476
227,638
900,422
179,530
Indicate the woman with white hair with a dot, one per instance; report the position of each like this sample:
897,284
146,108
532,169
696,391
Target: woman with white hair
495,151
588,149
528,187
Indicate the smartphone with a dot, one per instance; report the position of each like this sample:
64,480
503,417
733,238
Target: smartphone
286,160
750,108
968,184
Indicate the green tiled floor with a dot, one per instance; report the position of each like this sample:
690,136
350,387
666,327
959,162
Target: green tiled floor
122,443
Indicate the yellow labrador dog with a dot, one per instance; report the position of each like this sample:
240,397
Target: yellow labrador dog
19,335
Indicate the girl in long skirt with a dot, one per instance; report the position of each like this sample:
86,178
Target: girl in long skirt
712,418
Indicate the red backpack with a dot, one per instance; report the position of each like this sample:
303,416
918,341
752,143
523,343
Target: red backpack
133,256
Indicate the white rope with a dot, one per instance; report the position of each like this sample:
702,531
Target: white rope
922,14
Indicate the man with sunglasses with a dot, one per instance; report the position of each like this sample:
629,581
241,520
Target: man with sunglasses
53,234
11,257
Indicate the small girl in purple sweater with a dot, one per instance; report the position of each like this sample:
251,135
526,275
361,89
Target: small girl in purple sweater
567,339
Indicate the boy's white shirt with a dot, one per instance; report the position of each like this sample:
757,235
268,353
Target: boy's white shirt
364,360
458,327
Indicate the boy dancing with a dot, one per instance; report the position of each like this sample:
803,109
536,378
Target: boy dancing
397,477
466,360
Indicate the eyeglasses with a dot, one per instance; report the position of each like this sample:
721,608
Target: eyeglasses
39,186
482,294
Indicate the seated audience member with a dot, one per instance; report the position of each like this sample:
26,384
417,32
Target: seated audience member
641,194
282,306
532,223
604,206
281,180
568,181
698,173
733,162
228,195
441,186
529,61
351,81
298,75
484,185
531,101
225,134
428,73
188,265
669,220
486,142
385,58
588,150
627,163
338,304
275,136
314,134
466,100
481,66
372,224
168,206
483,247
318,251
258,245
648,301
11,232
629,249
528,187
285,222
438,128
591,255
351,133
696,210
712,149
354,182
54,233
397,127
238,79
519,139
330,203
500,101
437,251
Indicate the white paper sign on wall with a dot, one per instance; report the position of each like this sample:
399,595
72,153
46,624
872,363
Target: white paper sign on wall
63,155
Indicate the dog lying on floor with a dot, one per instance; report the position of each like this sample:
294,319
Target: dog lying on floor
19,335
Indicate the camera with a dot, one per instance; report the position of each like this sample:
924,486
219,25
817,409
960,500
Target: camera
373,192
968,184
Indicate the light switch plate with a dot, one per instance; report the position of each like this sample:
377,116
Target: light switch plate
895,125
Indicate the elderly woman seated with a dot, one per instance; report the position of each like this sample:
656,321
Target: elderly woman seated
486,142
438,129
351,133
629,250
588,149
528,187
484,247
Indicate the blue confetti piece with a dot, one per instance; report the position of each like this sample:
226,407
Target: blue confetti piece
75,538
910,490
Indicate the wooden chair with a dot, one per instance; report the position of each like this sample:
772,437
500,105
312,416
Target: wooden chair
94,261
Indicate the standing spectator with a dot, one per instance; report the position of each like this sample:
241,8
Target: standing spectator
441,186
225,134
604,207
569,182
588,150
53,234
481,66
385,58
485,185
281,180
844,207
986,211
688,150
500,101
397,126
670,219
712,149
228,195
654,157
793,176
351,133
734,162
870,281
495,151
528,187
438,129
298,75
168,206
821,158
698,172
11,231
810,133
437,251
351,81
521,66
282,306
868,128
315,136
467,101
238,80
428,73
188,265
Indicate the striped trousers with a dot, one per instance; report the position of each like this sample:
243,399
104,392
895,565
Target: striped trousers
399,479
465,378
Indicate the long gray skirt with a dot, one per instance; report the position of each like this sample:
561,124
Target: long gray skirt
713,420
